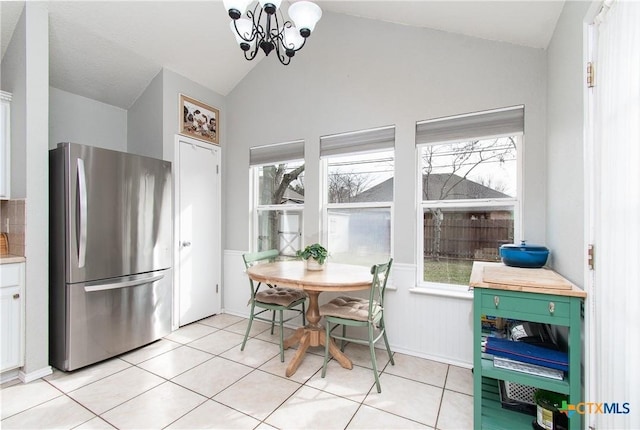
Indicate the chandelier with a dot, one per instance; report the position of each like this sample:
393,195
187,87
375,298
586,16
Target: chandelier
265,27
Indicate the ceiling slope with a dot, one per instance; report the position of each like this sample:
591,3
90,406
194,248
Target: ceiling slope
110,50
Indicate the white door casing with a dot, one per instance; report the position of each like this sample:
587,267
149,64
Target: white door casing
197,217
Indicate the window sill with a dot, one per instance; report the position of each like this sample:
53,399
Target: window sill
444,291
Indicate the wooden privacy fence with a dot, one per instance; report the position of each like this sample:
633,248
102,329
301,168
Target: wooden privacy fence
470,239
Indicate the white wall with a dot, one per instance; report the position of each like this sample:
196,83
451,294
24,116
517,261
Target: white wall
173,85
14,81
565,122
25,73
82,120
355,74
144,118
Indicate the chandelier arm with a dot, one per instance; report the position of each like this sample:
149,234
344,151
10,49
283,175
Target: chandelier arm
284,59
251,55
279,37
253,14
276,37
285,47
253,34
275,18
304,40
279,48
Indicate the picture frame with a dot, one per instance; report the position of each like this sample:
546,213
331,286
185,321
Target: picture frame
199,120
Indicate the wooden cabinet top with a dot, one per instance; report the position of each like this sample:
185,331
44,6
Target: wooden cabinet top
542,281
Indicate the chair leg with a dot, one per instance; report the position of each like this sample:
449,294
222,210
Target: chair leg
344,334
374,363
326,349
281,336
246,335
304,322
386,342
273,321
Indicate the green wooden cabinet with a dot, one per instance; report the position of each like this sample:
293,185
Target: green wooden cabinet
535,304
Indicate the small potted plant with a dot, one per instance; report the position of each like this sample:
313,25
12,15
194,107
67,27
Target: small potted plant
316,255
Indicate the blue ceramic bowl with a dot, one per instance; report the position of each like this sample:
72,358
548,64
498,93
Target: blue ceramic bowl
524,255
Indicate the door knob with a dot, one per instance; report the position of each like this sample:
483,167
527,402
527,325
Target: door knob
186,243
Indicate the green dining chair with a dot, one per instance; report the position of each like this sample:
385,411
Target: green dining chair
272,299
358,312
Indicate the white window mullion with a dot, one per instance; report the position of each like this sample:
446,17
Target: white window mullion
462,204
358,205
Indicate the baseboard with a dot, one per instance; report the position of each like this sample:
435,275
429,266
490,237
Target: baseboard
431,357
9,375
32,376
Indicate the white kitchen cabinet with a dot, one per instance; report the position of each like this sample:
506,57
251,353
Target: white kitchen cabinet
5,145
11,316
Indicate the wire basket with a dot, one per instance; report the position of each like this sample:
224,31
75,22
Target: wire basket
519,392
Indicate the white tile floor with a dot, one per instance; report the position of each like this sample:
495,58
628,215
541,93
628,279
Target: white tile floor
197,378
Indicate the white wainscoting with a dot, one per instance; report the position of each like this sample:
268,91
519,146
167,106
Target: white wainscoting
431,326
435,327
235,288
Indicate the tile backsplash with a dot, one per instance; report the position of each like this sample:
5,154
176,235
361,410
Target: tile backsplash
14,222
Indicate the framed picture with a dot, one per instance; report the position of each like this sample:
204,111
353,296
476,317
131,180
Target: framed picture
199,120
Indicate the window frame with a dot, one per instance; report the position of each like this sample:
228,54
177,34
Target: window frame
326,206
516,202
257,208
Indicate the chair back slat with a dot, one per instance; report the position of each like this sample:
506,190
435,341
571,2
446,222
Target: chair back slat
251,258
380,274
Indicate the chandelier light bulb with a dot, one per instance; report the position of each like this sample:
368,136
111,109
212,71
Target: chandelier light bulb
292,38
305,15
236,8
270,6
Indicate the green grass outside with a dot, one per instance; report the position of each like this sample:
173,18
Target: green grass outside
447,271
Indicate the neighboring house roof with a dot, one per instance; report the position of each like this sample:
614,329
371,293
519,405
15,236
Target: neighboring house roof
292,196
434,186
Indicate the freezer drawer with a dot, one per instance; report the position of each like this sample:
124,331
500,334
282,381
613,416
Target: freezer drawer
107,318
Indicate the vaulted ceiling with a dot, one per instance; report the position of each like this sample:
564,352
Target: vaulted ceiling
110,50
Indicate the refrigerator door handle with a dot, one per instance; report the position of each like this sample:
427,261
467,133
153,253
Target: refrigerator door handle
116,285
82,222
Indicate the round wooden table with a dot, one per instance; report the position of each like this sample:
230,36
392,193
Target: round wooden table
334,277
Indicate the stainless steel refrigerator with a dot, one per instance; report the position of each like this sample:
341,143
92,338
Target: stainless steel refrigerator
110,283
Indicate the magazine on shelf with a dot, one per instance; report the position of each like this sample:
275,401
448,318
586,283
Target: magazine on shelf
531,369
527,353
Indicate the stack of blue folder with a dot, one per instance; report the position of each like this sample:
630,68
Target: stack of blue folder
528,353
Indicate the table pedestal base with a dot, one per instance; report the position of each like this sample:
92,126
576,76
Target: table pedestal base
313,336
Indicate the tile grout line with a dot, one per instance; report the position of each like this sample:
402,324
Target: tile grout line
255,368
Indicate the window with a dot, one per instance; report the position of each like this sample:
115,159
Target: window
469,192
278,184
359,195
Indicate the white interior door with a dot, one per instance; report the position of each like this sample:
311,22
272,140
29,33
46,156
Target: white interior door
613,197
198,230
